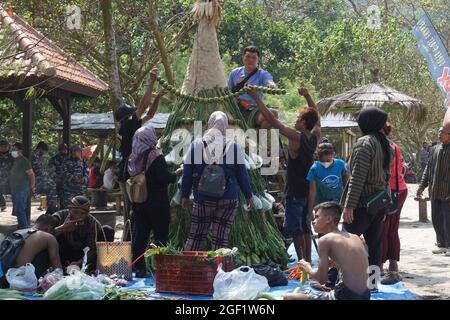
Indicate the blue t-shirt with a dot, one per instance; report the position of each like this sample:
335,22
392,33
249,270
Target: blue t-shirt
329,182
260,78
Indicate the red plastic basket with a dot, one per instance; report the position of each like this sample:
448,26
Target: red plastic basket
189,273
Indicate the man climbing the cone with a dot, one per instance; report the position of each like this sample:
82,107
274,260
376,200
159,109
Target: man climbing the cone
247,75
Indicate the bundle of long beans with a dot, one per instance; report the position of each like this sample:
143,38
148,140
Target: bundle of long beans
254,232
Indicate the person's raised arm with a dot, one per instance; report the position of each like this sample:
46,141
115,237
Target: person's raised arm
290,133
151,112
311,104
143,104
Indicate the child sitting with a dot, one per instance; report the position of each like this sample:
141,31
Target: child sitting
343,249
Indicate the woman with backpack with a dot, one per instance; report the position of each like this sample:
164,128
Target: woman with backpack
214,167
153,213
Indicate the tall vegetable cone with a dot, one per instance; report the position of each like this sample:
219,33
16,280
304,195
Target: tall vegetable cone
254,232
205,69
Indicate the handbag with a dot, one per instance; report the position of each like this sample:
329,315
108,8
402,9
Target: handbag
137,188
241,84
378,201
393,208
273,273
114,258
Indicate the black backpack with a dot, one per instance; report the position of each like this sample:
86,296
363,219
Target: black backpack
11,246
213,181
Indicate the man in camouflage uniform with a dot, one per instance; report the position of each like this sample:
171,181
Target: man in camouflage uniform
6,162
39,169
58,161
51,194
76,176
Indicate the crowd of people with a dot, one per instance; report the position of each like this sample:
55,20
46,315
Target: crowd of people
367,192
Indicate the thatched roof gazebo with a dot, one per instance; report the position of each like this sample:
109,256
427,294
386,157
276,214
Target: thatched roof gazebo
376,95
29,60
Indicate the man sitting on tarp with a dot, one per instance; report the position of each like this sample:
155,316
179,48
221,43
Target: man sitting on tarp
36,245
341,248
77,229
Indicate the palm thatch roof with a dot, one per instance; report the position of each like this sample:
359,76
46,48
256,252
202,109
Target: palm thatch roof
373,95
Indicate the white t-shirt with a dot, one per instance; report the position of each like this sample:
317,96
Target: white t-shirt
108,179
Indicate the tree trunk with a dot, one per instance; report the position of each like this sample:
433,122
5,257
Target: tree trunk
152,9
115,91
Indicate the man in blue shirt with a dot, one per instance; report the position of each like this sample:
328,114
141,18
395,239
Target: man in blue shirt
327,178
258,77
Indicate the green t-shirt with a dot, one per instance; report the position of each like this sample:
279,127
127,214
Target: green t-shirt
18,179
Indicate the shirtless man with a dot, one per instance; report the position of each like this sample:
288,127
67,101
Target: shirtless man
342,248
41,248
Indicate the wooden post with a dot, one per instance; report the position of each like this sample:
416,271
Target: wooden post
423,215
67,123
63,106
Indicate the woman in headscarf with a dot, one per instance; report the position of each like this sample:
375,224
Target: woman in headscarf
210,212
369,167
154,213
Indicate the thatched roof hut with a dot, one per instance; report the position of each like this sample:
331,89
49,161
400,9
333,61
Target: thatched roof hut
377,95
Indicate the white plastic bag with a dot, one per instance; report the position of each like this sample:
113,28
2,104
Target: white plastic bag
256,201
266,204
50,279
22,278
77,286
240,284
269,197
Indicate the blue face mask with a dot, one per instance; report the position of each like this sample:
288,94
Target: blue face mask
14,154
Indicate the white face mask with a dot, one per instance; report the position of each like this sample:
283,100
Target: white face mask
14,154
326,164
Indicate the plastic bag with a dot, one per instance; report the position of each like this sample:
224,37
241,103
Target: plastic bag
77,286
269,197
240,284
22,278
256,201
50,279
266,205
176,199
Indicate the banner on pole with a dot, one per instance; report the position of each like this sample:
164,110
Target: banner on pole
433,50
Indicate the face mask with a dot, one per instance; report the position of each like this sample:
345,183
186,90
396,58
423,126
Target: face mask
326,164
14,154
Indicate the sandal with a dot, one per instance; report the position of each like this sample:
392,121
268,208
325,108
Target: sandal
391,277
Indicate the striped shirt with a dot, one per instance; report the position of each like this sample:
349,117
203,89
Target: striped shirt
367,173
437,173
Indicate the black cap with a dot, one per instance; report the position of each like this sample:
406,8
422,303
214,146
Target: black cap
75,148
4,142
123,111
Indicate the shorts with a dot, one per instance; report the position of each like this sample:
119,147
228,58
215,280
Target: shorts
295,223
322,295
